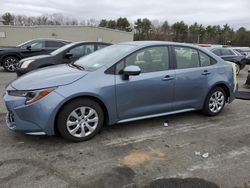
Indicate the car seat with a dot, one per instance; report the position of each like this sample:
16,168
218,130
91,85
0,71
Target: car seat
147,65
194,62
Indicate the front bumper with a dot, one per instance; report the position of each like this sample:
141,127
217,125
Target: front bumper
37,118
243,64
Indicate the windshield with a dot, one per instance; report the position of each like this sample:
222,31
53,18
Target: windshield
104,56
60,50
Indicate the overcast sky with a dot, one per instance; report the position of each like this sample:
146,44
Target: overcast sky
234,12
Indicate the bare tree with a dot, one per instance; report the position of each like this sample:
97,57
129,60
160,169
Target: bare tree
92,22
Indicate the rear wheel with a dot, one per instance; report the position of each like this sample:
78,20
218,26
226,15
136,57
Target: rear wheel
80,120
215,102
10,63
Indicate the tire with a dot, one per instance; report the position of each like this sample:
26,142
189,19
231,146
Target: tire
237,68
214,102
10,63
73,127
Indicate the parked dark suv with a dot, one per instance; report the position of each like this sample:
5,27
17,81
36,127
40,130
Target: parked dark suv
232,56
9,57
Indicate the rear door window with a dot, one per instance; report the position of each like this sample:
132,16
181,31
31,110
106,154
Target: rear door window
186,57
226,52
217,52
54,44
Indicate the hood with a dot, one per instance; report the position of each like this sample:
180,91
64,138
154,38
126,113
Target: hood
48,77
35,57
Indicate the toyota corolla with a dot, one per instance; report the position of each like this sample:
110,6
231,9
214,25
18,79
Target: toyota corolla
120,83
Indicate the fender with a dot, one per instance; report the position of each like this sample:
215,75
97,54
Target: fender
225,84
52,121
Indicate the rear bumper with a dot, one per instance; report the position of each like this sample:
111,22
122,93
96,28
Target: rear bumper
232,97
233,94
243,64
248,61
248,79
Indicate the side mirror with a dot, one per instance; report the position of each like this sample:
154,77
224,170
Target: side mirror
131,70
28,47
68,55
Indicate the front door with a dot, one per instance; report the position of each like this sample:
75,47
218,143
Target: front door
149,93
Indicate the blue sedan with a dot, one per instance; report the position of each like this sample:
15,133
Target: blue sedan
120,83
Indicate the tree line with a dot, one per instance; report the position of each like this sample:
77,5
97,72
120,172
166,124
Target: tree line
146,29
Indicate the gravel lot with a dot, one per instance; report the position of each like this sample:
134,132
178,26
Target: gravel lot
139,154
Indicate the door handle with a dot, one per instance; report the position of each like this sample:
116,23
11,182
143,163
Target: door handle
167,78
206,72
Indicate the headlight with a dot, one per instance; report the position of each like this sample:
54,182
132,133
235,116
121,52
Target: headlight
25,64
32,96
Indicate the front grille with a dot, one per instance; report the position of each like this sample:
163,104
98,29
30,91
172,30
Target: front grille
11,117
10,120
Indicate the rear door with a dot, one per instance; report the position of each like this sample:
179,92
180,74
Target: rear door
191,83
149,93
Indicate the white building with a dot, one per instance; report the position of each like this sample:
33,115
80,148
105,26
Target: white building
14,35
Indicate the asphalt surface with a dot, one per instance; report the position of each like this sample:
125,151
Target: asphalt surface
192,151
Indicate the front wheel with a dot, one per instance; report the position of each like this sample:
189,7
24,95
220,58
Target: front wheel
80,120
215,102
10,63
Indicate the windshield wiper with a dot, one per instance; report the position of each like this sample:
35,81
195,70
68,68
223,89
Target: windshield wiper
77,66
